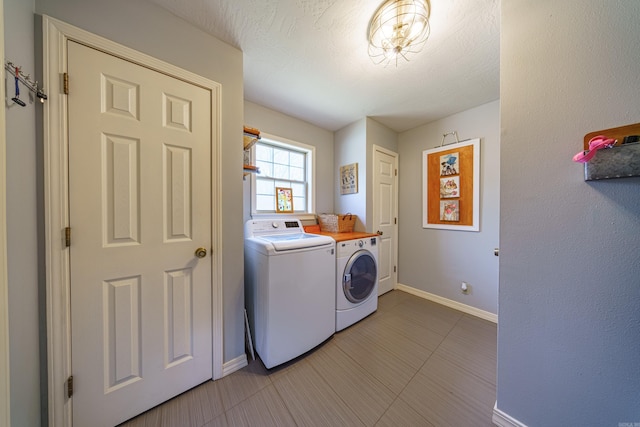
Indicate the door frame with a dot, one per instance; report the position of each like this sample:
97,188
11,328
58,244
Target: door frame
374,198
56,193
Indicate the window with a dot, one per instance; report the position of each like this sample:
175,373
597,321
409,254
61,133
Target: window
282,163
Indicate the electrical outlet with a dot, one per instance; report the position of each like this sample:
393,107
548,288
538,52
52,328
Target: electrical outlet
465,287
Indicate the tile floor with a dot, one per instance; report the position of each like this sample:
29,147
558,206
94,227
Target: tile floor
411,363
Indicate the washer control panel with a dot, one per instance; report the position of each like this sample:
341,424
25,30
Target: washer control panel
348,247
266,227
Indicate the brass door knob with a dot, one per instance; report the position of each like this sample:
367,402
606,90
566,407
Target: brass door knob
380,233
201,252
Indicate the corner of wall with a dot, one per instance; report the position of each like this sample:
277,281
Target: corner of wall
5,391
502,419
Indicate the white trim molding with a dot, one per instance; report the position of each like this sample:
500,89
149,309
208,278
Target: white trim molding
234,365
56,34
473,311
502,419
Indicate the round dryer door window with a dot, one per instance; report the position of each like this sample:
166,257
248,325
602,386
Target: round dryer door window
359,278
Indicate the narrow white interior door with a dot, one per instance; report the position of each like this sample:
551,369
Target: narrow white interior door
140,206
385,165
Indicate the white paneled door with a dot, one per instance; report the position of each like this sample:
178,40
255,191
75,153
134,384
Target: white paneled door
139,208
385,201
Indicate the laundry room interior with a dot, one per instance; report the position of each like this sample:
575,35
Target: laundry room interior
501,275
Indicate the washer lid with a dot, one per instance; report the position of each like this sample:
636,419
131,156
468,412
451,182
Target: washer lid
287,242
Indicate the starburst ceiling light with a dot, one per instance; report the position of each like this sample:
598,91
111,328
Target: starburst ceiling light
398,28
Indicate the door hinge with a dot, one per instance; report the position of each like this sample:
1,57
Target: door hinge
395,220
67,237
395,171
70,386
65,83
394,269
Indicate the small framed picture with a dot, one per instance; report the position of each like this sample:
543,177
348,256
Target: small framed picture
450,210
349,179
284,200
449,187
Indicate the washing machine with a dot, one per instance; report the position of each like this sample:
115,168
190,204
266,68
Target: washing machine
289,288
357,280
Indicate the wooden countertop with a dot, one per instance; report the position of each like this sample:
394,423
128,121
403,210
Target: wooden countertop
341,237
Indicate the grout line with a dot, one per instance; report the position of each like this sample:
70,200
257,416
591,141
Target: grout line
422,366
364,369
387,311
284,402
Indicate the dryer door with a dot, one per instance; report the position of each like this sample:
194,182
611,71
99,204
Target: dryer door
359,278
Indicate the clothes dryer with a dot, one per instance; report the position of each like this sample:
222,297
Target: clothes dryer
357,280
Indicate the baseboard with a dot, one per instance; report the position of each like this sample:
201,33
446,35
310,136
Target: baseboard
504,420
234,365
449,303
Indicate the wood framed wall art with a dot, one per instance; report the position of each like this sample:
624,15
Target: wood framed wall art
451,186
349,179
284,200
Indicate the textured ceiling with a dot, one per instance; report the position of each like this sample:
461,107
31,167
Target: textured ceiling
308,59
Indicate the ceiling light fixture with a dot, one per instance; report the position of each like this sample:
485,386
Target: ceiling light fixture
397,29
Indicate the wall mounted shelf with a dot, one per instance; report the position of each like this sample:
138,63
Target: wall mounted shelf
249,138
619,161
251,168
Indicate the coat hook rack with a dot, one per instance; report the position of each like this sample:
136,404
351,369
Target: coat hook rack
25,79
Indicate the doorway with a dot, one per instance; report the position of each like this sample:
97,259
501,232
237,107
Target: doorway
133,286
385,216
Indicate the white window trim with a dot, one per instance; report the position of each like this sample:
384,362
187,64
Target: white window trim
311,178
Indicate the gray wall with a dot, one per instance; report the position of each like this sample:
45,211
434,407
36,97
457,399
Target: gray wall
279,124
569,330
351,147
22,223
380,135
437,261
354,144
